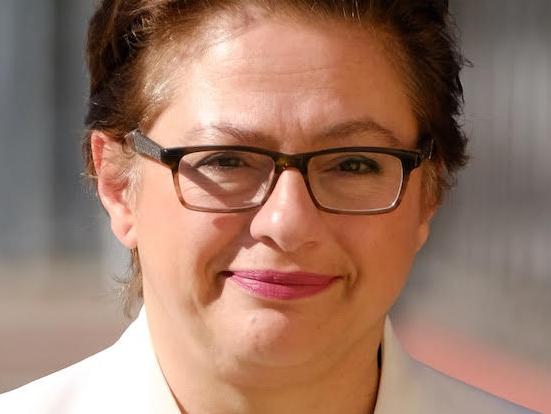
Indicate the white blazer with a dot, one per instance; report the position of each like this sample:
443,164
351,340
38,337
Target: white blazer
126,378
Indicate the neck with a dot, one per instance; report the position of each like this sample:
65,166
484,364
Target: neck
344,389
333,393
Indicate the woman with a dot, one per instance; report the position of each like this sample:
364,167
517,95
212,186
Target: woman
273,166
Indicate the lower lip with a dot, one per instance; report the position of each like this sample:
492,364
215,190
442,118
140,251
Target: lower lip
272,287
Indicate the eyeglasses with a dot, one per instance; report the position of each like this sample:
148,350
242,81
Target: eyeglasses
233,178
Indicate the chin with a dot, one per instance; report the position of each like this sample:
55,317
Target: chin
255,339
263,340
266,350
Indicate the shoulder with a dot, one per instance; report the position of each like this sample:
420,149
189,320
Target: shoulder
450,395
125,377
55,391
408,386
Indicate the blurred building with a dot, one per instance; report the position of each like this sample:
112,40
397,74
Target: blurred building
490,247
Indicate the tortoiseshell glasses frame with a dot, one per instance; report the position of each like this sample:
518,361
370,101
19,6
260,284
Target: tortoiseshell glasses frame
171,158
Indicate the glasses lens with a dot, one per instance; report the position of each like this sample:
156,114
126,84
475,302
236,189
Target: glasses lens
224,179
356,181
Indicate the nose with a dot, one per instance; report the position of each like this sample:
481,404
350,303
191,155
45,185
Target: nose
288,220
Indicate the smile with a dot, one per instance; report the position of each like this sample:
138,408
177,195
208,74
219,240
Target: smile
272,284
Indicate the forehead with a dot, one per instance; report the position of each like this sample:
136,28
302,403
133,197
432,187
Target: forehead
290,81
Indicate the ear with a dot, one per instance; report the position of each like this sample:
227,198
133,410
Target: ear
423,232
112,188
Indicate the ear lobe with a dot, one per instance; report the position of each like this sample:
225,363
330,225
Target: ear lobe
112,188
424,226
423,235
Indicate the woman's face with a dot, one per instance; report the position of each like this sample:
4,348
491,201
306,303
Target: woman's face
284,84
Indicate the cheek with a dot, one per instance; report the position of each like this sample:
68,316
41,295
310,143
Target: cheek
181,250
382,249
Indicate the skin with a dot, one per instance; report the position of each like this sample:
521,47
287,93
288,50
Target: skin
289,82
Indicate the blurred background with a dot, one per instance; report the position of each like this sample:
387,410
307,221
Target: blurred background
478,304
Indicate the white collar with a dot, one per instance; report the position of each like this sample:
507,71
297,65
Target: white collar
399,392
145,388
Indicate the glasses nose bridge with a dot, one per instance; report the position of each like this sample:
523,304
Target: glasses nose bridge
286,161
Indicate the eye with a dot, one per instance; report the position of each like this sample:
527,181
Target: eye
222,160
358,165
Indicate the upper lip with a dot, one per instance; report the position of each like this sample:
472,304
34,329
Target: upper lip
298,278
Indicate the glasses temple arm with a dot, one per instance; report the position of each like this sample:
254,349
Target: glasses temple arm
144,146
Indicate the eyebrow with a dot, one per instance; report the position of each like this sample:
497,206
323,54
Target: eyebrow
242,136
340,132
352,128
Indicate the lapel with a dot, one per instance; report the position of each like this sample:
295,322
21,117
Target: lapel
399,389
129,378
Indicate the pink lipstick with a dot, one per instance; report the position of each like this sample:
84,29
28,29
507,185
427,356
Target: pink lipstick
281,285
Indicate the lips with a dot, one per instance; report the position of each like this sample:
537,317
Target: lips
272,284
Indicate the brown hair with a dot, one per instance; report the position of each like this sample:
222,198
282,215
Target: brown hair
130,47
